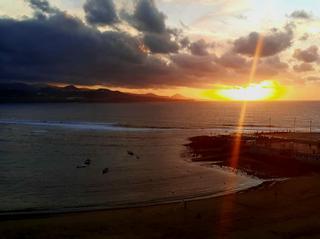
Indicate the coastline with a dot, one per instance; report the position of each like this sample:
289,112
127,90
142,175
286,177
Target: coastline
171,200
271,209
276,208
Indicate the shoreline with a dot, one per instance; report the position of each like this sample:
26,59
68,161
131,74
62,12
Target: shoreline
116,126
26,215
262,155
280,207
273,210
85,209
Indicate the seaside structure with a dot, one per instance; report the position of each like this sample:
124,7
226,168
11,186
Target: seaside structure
302,146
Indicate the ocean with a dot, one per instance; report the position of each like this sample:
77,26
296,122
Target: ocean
43,148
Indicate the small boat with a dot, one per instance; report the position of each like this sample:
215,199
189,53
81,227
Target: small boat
106,170
87,162
130,153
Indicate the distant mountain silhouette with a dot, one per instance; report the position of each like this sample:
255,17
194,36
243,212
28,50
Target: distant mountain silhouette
179,97
19,92
70,88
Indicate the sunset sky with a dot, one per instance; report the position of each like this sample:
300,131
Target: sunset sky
202,49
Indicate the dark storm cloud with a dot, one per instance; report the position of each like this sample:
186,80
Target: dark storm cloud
197,65
232,60
160,43
199,48
151,22
100,12
42,6
303,67
147,17
54,47
301,14
77,53
59,48
308,55
273,43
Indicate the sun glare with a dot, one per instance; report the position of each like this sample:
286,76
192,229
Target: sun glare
265,90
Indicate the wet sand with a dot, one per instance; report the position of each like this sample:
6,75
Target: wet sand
286,209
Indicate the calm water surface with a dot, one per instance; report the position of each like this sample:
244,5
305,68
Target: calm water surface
41,146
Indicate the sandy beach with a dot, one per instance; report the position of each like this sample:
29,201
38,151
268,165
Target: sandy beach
286,209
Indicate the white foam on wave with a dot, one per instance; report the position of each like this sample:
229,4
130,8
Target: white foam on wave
74,125
131,128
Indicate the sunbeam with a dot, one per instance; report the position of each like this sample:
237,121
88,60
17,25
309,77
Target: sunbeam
228,204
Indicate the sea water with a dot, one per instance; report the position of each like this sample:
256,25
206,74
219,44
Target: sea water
43,148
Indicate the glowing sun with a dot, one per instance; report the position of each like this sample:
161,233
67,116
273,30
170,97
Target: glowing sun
265,90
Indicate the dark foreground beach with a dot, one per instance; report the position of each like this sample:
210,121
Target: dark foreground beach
287,209
276,209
